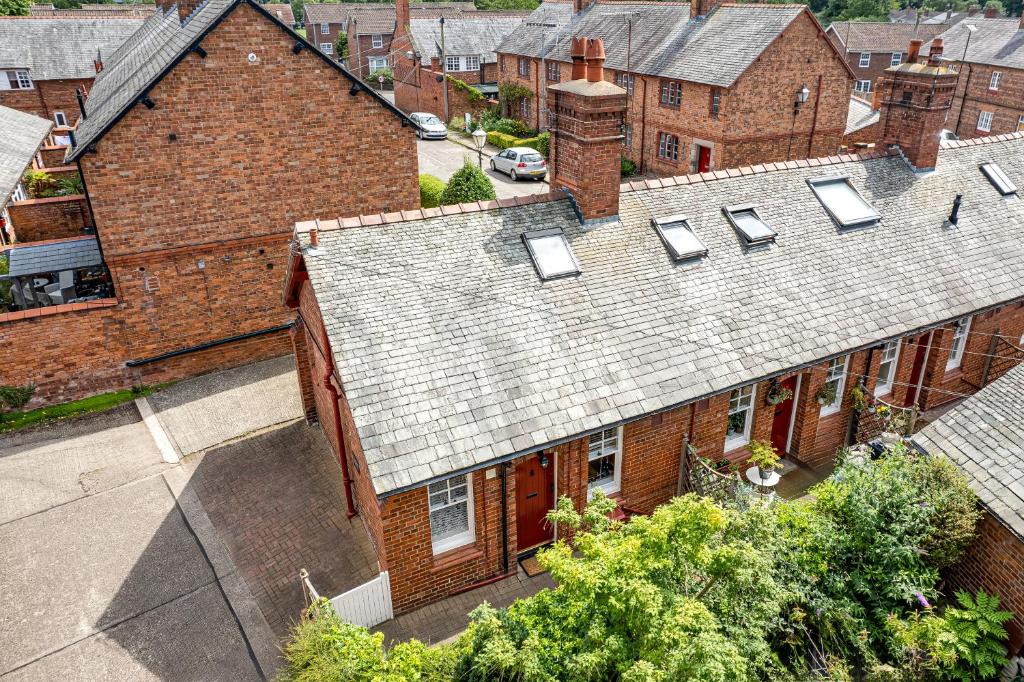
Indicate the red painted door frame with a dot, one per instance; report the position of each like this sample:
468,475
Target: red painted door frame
535,496
917,371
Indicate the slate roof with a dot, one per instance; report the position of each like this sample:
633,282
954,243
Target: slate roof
996,42
152,51
21,135
67,254
470,34
876,36
381,17
860,115
714,50
454,354
282,11
984,436
52,48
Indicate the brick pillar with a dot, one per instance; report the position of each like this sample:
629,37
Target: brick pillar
304,369
186,7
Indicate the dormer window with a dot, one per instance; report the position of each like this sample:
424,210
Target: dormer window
747,222
679,239
999,179
844,203
551,254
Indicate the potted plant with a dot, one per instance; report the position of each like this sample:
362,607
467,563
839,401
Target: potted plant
764,456
777,393
858,397
826,395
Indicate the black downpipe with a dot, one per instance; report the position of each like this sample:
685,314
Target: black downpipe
504,517
208,345
851,432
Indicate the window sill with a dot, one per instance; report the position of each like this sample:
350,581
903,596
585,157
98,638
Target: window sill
611,491
827,412
953,372
883,393
458,555
734,446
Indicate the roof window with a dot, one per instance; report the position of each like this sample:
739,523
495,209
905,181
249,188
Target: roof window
551,254
748,223
1000,180
844,203
681,242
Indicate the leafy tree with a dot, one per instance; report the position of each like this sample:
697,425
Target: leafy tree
996,5
13,8
468,184
507,4
341,46
431,188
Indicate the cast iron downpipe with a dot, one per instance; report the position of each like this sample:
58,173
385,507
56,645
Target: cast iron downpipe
342,450
504,517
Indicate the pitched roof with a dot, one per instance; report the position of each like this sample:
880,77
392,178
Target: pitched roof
876,36
470,34
996,42
984,436
52,48
152,52
282,11
341,12
94,11
21,135
63,254
715,50
454,354
860,115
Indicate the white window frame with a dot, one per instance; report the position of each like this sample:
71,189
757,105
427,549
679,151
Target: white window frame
327,48
1020,123
627,135
985,121
831,375
862,86
376,63
377,40
325,28
453,63
464,538
744,438
891,355
896,59
993,81
60,119
958,342
15,79
19,193
865,60
615,485
472,63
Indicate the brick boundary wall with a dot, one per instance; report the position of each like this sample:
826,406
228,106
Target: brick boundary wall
36,220
53,156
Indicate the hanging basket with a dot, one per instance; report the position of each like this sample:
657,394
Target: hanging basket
777,393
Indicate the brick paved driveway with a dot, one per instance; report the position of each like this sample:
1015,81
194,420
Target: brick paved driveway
276,499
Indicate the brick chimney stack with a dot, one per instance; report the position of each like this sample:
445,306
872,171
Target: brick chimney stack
401,17
914,101
915,51
186,7
586,135
702,8
991,12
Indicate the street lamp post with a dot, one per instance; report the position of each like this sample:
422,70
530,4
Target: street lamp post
479,139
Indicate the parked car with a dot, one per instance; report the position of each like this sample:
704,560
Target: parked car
520,162
428,126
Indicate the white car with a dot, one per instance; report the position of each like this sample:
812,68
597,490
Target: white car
520,162
428,126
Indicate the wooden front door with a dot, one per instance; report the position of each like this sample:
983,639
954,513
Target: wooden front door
784,417
535,496
916,370
703,159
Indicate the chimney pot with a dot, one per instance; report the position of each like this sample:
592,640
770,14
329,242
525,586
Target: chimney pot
314,238
914,51
578,53
595,60
935,54
991,12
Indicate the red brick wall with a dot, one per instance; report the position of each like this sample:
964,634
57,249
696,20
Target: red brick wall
53,156
47,97
360,49
35,220
422,92
651,450
1006,104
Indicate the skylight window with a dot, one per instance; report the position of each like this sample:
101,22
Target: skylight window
551,254
749,224
1000,180
681,242
844,203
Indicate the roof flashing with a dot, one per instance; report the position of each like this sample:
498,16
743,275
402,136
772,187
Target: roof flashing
679,238
749,225
999,179
845,205
551,254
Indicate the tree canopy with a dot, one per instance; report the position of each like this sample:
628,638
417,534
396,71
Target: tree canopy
15,8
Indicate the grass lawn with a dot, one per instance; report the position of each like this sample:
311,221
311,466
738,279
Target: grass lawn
95,403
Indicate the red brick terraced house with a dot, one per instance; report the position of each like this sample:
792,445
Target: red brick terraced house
990,93
472,363
710,85
45,61
871,47
197,161
984,436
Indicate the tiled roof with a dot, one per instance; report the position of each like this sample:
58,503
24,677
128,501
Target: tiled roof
860,115
21,135
144,59
996,42
454,354
281,11
664,42
876,36
341,12
984,436
52,48
471,34
94,11
64,254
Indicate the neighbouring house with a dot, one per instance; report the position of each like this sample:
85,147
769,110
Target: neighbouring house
984,436
86,11
911,15
710,85
21,137
370,28
861,124
46,63
871,47
194,188
470,364
469,58
990,94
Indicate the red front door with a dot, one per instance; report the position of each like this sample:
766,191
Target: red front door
916,370
703,159
535,496
783,417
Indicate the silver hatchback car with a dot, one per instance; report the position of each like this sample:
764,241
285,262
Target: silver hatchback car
428,126
520,162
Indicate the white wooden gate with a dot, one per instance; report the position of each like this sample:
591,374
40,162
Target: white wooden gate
368,604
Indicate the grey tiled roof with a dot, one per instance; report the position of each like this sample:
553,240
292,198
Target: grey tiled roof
67,254
380,14
52,48
471,34
860,115
664,41
876,36
21,135
984,436
453,353
996,42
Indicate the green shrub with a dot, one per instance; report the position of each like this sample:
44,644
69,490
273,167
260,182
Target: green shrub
540,143
627,168
473,95
373,78
468,184
13,398
431,188
502,140
512,126
489,118
39,184
70,185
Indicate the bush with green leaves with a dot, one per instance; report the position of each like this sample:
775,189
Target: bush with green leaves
468,184
501,140
373,78
13,398
15,7
540,142
512,126
431,188
627,168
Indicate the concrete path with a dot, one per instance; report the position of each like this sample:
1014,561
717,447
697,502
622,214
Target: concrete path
442,158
